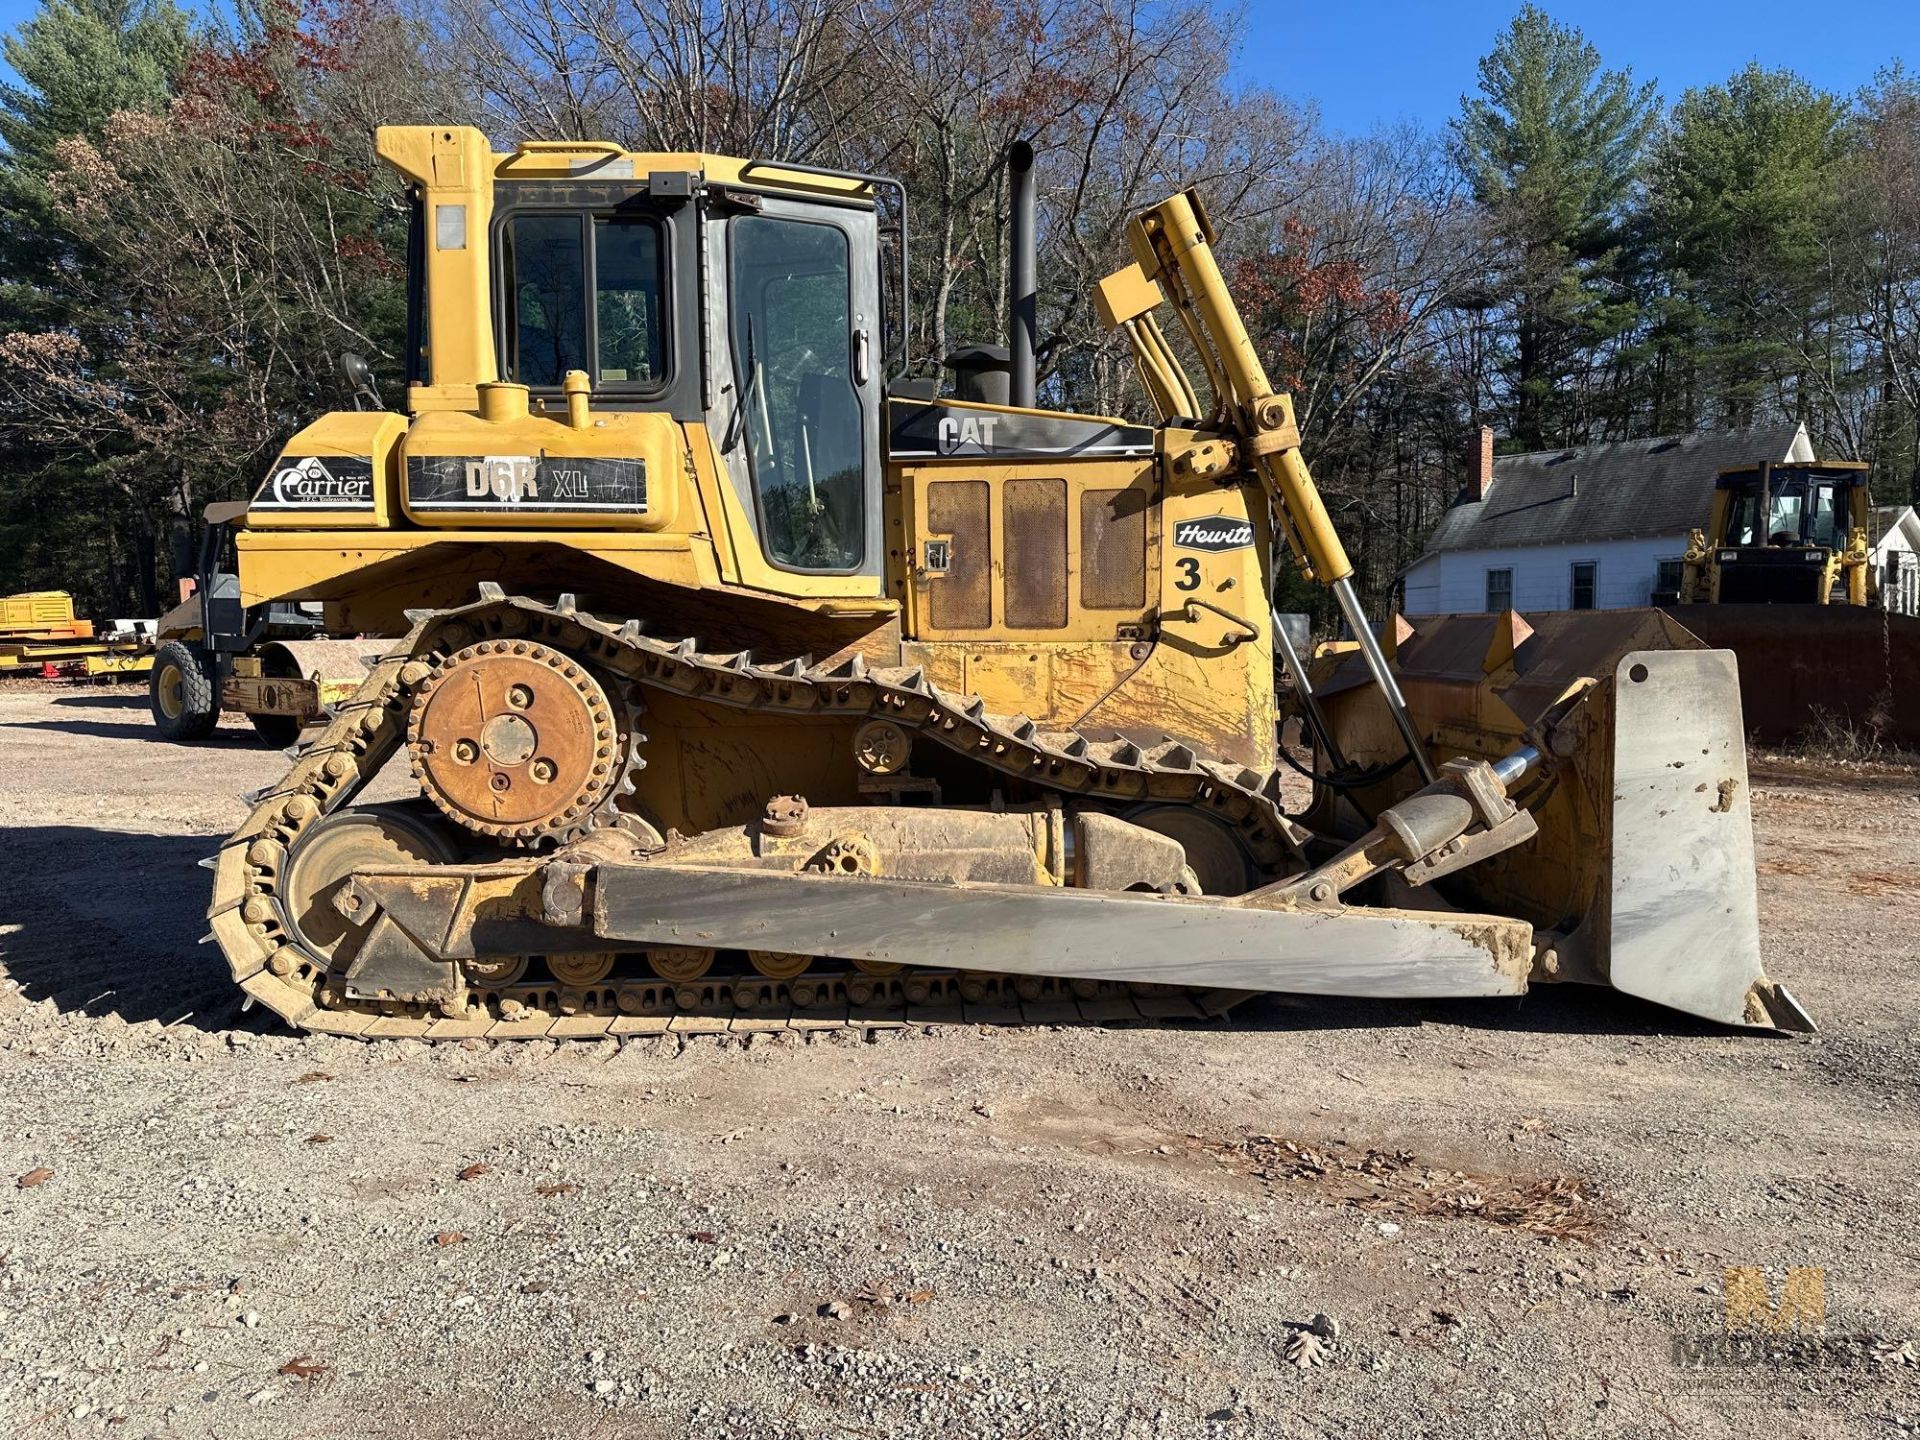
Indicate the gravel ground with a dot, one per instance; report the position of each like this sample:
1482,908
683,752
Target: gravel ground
1504,1211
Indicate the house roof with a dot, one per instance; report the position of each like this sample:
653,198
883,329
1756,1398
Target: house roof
1890,521
1616,491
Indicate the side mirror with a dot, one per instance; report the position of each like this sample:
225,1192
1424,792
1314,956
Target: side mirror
360,380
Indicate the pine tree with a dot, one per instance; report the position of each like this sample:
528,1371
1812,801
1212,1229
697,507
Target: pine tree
77,62
1552,148
1746,193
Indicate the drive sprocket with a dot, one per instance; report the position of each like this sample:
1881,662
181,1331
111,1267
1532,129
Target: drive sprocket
514,740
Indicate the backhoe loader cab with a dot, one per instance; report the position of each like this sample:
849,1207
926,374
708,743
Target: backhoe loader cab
743,689
1784,534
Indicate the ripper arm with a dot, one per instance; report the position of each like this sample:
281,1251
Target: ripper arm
1172,245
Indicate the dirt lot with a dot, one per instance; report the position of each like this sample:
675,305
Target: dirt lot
1015,1232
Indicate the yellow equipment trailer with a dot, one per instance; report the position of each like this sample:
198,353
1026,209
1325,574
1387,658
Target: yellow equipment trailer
748,682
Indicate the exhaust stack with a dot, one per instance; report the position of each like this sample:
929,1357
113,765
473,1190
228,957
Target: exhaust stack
1023,301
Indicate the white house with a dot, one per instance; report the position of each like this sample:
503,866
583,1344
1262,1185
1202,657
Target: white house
1896,557
1595,527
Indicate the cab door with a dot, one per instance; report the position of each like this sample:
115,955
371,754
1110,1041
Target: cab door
797,413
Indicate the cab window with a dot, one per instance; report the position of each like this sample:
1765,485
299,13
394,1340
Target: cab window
626,302
799,410
1827,524
582,292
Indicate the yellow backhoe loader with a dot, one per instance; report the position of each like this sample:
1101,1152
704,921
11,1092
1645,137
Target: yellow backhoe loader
1784,534
1783,577
747,682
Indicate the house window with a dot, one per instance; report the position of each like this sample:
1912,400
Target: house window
1666,581
1499,590
1580,591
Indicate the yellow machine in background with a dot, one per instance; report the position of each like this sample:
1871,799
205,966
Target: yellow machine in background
747,681
1783,577
1784,534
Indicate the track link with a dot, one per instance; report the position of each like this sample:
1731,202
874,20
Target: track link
250,924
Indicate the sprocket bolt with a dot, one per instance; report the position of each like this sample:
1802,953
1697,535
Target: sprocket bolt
786,816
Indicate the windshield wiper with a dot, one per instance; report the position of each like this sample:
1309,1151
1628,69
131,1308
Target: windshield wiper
739,418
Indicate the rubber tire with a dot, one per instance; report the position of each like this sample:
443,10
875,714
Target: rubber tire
199,700
279,731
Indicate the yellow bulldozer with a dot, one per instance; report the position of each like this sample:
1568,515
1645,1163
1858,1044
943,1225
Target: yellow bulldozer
1784,534
1783,577
742,680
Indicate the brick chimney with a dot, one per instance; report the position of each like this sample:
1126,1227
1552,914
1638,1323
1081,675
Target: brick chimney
1480,466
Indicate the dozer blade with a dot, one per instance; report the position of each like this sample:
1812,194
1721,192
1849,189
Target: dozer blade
1642,871
430,917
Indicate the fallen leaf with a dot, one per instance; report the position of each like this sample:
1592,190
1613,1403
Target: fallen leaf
916,1297
450,1237
318,1138
1886,1352
473,1171
311,1076
1306,1349
704,1237
302,1368
565,1187
37,1176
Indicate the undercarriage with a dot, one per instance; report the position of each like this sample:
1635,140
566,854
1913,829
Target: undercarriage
531,892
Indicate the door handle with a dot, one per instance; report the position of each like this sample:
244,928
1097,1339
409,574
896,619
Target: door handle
862,369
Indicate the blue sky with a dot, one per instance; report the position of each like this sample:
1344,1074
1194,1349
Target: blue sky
1374,63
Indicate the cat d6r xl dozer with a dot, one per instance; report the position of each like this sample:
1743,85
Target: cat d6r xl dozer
742,688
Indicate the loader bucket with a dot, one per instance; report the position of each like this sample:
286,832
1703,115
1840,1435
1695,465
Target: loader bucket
1642,873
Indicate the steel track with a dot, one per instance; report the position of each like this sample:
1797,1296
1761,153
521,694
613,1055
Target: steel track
249,919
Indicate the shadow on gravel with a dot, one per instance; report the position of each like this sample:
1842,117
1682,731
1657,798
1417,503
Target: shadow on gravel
141,730
128,699
1546,1010
107,923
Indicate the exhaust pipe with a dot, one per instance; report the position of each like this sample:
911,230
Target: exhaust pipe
1023,302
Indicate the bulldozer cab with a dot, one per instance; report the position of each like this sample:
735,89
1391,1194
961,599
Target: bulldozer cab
783,341
1799,506
737,295
1787,534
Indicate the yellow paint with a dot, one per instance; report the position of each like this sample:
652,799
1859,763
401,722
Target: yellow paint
454,170
374,435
